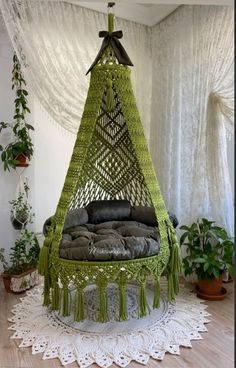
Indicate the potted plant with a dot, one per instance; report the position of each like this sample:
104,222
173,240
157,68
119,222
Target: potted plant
21,273
210,253
21,210
5,277
20,150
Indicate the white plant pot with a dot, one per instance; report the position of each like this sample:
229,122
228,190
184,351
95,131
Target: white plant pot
24,281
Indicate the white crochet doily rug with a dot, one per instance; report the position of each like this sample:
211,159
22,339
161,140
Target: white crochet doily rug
164,330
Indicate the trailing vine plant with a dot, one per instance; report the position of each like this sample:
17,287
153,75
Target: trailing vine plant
24,254
22,142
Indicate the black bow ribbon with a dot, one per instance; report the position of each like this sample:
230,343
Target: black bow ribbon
112,38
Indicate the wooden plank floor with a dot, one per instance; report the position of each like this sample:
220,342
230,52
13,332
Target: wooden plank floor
216,350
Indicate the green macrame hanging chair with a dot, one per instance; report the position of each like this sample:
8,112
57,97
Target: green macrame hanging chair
110,160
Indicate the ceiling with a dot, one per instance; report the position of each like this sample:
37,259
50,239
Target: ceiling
148,12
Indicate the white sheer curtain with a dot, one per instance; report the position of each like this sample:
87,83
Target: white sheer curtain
192,105
183,74
57,42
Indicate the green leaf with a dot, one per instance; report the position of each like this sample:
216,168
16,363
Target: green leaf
183,237
17,116
200,260
206,266
3,156
184,227
27,109
216,272
15,128
30,127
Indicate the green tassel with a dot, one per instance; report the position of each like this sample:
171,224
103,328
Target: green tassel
143,304
175,266
55,296
103,314
176,283
110,99
43,260
46,290
60,301
171,292
65,309
122,303
43,263
79,306
156,299
175,257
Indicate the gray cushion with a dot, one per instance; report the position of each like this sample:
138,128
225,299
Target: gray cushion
108,210
114,240
137,232
144,214
147,216
76,217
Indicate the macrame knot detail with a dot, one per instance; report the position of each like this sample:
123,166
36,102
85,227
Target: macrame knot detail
112,38
110,98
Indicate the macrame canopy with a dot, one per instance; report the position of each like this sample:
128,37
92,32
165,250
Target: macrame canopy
110,161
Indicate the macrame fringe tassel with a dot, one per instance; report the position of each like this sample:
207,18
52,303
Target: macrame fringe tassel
110,99
173,285
43,260
43,263
46,290
79,306
122,303
66,304
143,304
156,299
175,259
175,266
103,314
55,296
171,293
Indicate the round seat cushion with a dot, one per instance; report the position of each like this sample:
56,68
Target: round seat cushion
112,240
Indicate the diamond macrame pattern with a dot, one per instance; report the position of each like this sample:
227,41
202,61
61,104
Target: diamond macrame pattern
112,167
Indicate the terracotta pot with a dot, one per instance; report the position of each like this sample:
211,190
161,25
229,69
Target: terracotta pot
23,160
210,287
6,282
211,290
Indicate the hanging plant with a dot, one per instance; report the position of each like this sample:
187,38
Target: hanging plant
21,210
20,150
